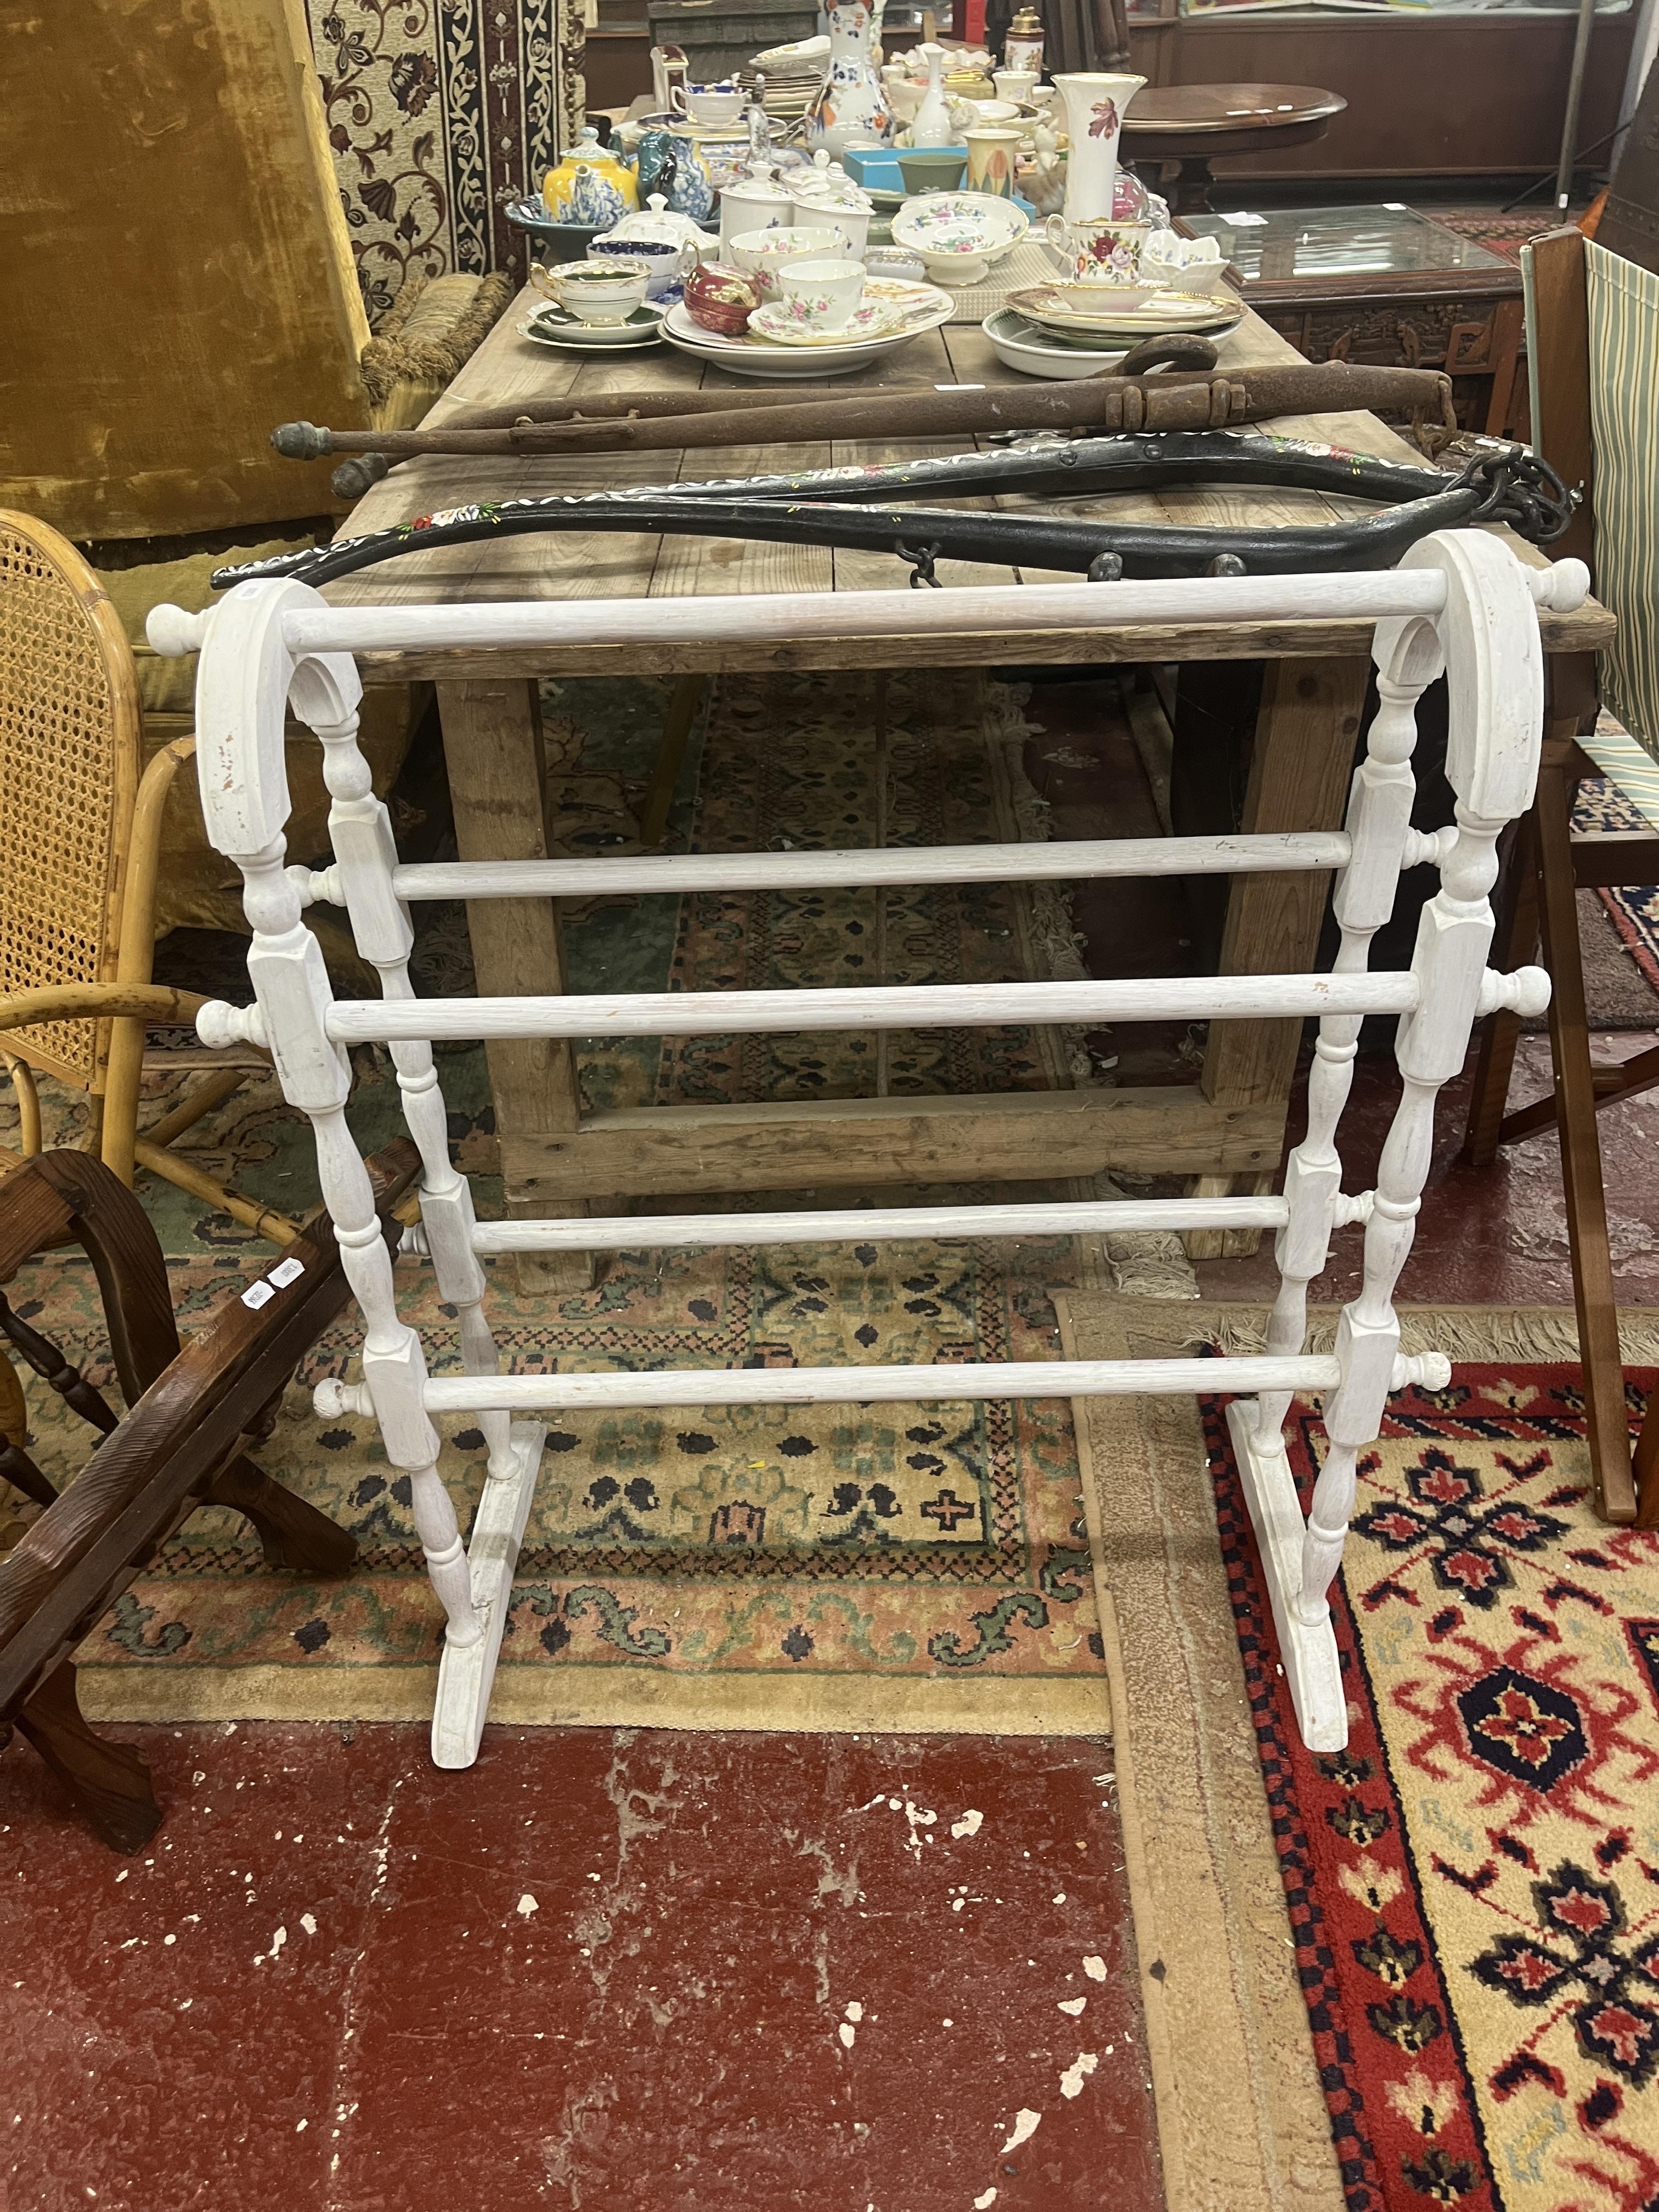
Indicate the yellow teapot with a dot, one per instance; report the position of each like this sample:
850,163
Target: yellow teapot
590,185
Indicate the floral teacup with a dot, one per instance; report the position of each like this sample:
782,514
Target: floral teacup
1098,249
820,295
764,253
666,262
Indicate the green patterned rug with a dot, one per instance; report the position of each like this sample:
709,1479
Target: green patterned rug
831,1566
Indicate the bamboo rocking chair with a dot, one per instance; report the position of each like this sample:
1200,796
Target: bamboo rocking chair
1460,602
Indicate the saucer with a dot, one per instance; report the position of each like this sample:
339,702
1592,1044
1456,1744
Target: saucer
555,325
872,318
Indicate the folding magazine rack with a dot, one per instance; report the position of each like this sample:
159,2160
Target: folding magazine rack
1460,602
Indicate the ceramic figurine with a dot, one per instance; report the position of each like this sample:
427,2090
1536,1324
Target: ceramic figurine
670,67
590,185
1023,47
1044,184
931,125
1095,106
852,109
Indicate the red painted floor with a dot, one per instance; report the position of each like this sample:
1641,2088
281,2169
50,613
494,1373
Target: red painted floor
599,1969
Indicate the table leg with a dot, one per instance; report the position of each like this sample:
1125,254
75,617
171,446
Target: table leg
1606,1419
1306,733
493,746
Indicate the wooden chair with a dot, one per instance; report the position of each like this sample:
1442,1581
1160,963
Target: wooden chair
1461,601
1550,863
80,830
194,1412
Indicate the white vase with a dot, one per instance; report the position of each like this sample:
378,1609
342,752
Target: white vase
852,109
932,124
1095,106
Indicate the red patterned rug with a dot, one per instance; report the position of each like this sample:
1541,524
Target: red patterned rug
1474,1884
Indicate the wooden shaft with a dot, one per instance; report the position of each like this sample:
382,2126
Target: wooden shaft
136,961
1605,1417
65,1002
1167,399
28,1102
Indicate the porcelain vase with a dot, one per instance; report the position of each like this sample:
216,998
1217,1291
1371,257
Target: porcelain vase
1095,106
931,125
852,109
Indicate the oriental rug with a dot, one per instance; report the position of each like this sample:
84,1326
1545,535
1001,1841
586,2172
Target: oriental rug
1468,1935
736,1566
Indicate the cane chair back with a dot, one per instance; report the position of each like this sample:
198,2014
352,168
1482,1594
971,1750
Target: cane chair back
80,831
71,750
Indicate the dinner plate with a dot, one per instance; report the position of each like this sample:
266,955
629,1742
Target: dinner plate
1148,313
1036,352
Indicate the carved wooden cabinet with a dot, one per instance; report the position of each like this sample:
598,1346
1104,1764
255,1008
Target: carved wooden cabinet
1385,284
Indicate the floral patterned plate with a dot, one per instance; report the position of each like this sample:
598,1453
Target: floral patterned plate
872,318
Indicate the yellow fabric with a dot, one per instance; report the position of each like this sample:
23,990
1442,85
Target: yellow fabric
179,275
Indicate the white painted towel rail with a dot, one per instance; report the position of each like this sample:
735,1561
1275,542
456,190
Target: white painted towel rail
1460,603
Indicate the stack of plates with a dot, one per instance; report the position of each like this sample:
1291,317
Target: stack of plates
1034,351
1124,311
892,314
795,77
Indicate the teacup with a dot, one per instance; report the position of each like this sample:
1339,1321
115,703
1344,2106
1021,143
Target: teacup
666,262
764,252
1016,85
596,293
710,105
1097,249
821,296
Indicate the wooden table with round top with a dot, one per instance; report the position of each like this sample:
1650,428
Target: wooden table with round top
1192,125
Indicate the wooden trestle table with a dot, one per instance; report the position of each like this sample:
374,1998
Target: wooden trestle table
558,1160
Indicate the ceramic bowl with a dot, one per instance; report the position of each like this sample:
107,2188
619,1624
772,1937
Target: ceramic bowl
761,252
819,295
667,263
931,169
1034,351
959,234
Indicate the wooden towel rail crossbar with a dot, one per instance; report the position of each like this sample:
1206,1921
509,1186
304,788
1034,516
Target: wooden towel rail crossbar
1461,604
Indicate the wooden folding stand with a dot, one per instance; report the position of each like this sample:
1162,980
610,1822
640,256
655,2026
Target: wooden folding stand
1460,603
195,1412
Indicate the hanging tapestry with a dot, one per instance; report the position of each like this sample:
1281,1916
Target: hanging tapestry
440,113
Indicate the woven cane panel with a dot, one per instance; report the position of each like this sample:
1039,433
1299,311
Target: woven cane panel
57,795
